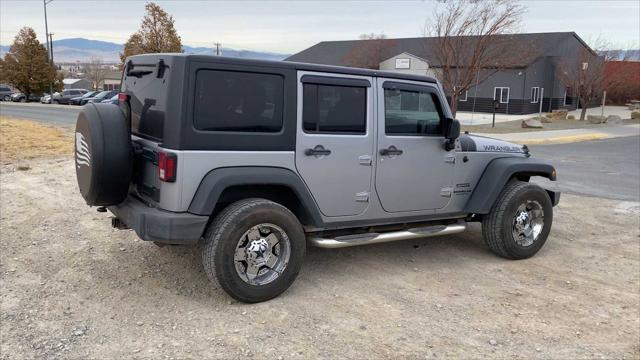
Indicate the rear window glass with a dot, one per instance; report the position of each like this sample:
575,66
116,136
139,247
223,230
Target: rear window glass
238,101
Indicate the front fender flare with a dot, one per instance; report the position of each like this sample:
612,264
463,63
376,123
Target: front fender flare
496,175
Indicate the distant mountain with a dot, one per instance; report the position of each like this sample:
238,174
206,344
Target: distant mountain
629,55
81,49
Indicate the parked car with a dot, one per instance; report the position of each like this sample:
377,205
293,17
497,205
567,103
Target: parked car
78,99
258,159
104,95
45,99
5,93
66,95
113,100
21,97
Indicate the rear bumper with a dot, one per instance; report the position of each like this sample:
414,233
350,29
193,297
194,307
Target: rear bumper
152,224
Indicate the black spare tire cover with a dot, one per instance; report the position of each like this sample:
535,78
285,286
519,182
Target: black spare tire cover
102,154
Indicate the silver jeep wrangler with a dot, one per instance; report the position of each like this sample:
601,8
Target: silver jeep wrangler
258,159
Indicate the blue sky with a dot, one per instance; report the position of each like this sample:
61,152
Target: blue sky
290,26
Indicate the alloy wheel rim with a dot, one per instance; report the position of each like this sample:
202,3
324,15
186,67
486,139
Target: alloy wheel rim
528,223
262,254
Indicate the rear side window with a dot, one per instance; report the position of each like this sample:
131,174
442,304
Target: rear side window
238,101
334,109
411,113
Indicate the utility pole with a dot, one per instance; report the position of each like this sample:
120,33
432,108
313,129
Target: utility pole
51,47
217,45
46,35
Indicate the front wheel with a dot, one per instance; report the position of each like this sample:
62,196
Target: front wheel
519,222
254,249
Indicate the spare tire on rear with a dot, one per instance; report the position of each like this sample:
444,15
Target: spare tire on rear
103,154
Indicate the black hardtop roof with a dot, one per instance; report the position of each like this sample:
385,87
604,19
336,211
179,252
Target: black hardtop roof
287,65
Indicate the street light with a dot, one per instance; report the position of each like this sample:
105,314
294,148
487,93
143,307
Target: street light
49,50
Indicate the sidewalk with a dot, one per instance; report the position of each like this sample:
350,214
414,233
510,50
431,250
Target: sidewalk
468,118
567,136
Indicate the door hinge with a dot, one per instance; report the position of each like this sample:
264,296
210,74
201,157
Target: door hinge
446,192
362,196
364,160
450,159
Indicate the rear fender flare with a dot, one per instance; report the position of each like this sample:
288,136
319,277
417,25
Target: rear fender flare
216,181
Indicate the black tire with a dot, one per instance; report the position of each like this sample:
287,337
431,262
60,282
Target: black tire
497,226
223,236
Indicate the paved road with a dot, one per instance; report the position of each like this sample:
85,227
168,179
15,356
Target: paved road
57,114
606,168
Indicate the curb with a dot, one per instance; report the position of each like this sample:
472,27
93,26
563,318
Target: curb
564,139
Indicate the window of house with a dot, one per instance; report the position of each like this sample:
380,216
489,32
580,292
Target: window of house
535,95
568,96
412,113
238,101
501,94
334,109
463,96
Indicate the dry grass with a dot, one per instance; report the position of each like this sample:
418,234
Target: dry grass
24,139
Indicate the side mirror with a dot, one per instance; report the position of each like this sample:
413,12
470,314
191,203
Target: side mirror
452,132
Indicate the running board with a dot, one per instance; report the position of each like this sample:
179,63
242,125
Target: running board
374,238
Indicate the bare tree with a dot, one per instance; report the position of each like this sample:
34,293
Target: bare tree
584,74
468,45
370,51
95,72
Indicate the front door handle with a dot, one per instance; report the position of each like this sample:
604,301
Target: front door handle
318,150
391,150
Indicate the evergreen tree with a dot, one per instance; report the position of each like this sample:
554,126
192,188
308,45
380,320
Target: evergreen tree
157,34
26,66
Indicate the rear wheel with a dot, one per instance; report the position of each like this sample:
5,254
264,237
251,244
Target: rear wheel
254,250
519,222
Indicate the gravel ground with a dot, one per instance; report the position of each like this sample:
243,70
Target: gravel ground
72,287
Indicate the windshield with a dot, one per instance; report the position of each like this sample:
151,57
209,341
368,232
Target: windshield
103,94
89,94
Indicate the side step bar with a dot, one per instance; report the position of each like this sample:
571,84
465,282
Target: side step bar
374,238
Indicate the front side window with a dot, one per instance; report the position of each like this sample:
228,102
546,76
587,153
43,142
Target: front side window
501,94
334,109
412,113
238,101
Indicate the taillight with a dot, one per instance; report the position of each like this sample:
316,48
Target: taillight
167,166
123,97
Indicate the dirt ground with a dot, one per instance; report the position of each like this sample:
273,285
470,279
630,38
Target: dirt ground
516,126
73,287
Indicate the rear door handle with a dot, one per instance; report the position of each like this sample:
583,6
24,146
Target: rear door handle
391,150
318,150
